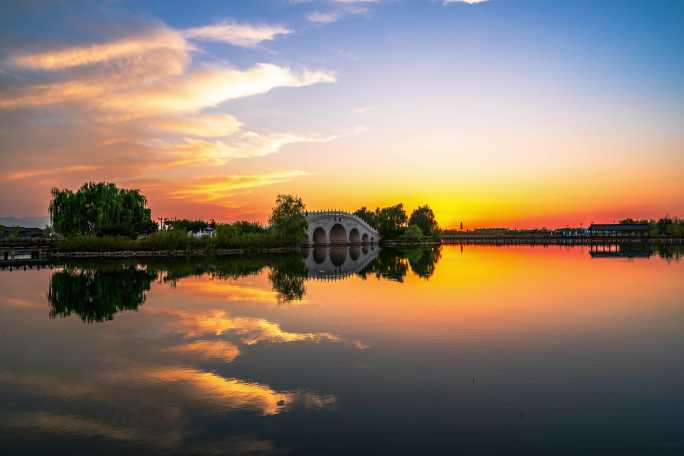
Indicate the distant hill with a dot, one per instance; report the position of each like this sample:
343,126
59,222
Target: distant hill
26,222
20,232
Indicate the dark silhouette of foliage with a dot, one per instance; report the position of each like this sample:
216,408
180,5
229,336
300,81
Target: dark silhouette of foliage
288,276
96,294
193,226
287,220
424,218
423,262
389,264
412,233
367,216
100,209
391,221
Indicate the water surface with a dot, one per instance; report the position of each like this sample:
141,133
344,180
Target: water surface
471,350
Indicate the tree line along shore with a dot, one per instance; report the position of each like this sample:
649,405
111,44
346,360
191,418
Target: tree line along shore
102,217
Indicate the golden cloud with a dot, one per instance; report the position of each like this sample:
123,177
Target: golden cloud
209,349
245,145
204,125
250,330
228,393
235,394
26,174
76,56
227,290
219,189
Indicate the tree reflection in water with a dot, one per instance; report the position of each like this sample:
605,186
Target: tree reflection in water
96,294
97,290
424,261
288,277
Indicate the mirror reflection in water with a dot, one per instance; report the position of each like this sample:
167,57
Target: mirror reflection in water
254,354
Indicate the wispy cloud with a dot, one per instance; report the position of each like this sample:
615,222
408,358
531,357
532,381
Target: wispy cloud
201,125
323,18
248,144
89,54
208,88
232,393
337,9
347,2
242,35
208,349
220,189
135,102
249,330
191,92
27,174
469,2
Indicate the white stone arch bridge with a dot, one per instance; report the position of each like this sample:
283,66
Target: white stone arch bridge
339,228
338,261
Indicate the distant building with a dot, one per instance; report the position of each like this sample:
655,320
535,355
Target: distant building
491,231
619,229
207,232
571,232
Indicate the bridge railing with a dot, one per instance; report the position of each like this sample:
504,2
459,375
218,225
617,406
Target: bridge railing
344,213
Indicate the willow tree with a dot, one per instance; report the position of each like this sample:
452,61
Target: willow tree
100,209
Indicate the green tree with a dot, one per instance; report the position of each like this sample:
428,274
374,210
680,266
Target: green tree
288,276
423,262
413,233
367,216
97,294
424,218
287,219
391,221
100,209
389,264
185,225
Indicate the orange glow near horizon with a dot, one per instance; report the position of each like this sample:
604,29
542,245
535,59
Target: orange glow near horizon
549,132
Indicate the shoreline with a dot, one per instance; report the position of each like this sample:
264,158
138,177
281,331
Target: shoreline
43,251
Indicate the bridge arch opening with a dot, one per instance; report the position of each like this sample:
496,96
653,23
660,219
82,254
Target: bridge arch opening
319,236
338,255
354,252
319,254
338,235
364,238
354,236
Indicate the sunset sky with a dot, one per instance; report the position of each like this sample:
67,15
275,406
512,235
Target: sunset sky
501,112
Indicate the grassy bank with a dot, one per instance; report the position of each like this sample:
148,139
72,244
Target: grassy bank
170,240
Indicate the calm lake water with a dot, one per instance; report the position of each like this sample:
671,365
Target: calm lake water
458,350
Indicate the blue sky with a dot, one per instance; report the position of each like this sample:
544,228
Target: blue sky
497,112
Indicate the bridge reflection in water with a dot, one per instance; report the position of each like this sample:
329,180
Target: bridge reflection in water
337,262
96,290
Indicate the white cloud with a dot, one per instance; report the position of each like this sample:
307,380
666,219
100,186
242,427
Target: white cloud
243,35
247,144
128,96
109,85
208,88
323,18
469,2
